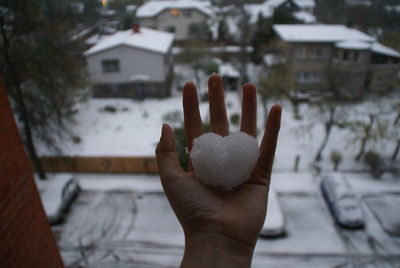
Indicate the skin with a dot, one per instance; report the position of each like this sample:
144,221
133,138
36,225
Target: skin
221,227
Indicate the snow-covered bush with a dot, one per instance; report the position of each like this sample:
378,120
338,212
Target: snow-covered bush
234,118
336,158
173,117
108,109
375,163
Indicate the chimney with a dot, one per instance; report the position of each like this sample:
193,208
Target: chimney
135,28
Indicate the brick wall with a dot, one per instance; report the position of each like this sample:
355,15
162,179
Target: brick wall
26,239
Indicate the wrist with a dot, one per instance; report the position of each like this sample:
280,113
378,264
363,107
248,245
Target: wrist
215,250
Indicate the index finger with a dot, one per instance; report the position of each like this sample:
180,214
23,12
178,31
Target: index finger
191,114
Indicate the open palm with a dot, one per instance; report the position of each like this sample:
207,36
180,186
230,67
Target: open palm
237,214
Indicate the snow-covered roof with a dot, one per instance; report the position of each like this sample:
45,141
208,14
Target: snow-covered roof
153,8
130,8
393,8
319,33
231,25
227,70
266,9
353,44
359,2
342,36
148,39
305,16
305,3
381,49
272,59
94,39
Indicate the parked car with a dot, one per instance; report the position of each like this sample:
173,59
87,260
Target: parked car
274,224
342,201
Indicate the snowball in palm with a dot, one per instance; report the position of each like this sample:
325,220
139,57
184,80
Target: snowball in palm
224,161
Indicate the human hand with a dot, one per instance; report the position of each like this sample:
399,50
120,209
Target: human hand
221,227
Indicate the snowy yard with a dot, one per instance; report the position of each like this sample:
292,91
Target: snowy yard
122,127
126,221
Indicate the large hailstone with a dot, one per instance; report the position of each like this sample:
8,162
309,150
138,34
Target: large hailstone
224,161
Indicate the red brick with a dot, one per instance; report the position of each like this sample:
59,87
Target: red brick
26,239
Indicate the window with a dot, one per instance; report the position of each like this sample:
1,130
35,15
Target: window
301,52
187,13
356,56
310,52
175,13
307,78
170,29
110,66
319,52
345,55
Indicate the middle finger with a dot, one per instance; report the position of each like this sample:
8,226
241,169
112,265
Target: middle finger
218,118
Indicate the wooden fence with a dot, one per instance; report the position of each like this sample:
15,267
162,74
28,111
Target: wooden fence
72,164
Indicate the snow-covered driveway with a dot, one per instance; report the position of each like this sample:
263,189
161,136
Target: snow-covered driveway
126,221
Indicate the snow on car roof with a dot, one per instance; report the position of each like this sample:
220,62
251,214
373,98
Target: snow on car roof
148,39
153,8
319,33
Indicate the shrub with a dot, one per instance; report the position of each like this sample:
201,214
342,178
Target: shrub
212,68
181,147
234,118
375,163
173,117
108,109
145,114
336,159
76,139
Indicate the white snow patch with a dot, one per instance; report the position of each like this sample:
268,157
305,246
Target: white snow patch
153,8
147,39
320,33
305,16
353,44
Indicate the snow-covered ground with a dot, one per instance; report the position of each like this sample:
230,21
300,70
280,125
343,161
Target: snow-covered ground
133,129
126,221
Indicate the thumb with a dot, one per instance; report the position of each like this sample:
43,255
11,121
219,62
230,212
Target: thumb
167,159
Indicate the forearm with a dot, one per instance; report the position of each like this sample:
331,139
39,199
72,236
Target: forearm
214,250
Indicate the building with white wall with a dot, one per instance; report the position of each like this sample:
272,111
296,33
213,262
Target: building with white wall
135,63
174,16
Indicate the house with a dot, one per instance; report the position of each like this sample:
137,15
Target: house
174,16
322,57
135,63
